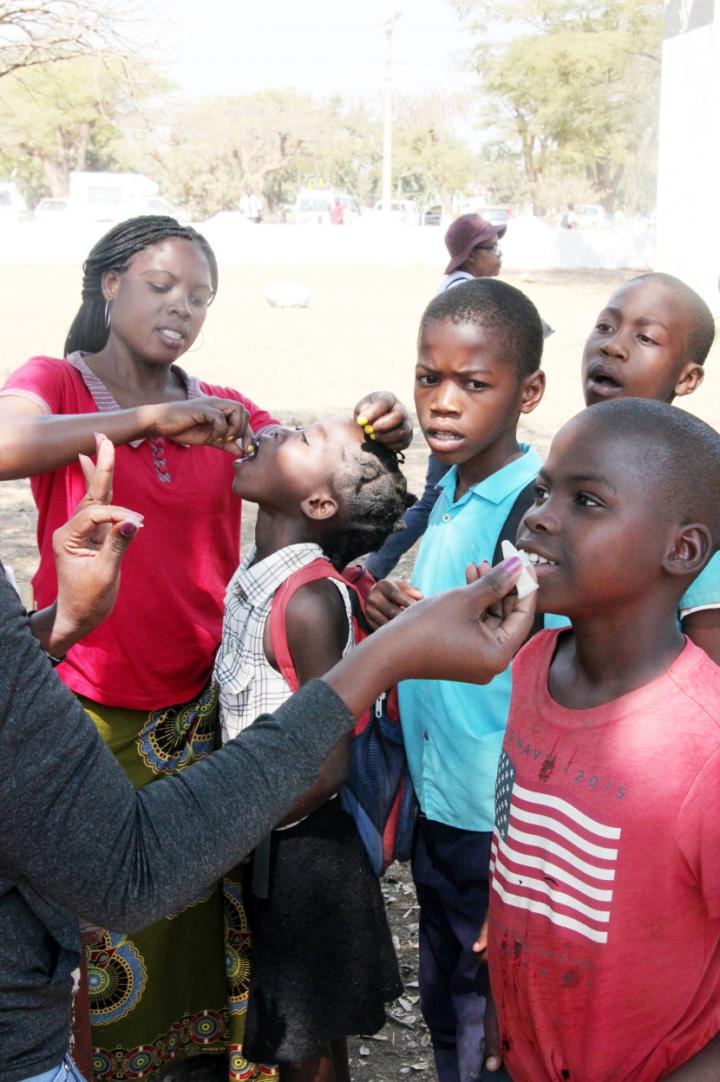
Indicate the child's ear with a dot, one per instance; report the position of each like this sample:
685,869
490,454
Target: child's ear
690,552
689,379
320,507
533,388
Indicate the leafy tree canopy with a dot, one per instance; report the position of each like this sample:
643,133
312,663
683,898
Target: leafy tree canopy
575,86
59,117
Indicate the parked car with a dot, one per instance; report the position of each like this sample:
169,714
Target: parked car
57,210
433,215
155,204
313,205
50,210
499,215
401,210
590,216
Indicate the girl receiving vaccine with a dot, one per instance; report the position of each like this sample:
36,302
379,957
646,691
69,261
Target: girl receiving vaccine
323,964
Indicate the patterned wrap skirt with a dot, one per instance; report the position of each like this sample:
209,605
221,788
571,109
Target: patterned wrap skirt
160,995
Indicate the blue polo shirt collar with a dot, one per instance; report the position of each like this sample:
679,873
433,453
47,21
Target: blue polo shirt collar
496,488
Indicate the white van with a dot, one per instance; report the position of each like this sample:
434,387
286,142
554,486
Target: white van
404,211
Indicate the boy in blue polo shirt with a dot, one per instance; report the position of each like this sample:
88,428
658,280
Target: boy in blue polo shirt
478,369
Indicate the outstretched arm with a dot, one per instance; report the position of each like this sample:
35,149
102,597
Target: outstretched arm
32,442
75,829
470,635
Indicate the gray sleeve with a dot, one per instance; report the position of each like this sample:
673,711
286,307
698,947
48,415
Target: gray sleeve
79,834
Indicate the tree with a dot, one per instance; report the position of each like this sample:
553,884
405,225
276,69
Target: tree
39,32
266,141
575,89
430,162
353,156
60,117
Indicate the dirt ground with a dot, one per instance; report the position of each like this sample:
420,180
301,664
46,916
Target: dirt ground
357,334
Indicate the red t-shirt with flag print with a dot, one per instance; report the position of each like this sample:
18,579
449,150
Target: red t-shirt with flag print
604,934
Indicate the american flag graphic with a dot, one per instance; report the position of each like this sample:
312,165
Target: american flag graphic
550,858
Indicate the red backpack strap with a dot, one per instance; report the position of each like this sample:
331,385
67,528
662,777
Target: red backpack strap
359,577
312,572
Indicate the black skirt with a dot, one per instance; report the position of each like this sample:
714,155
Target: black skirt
323,963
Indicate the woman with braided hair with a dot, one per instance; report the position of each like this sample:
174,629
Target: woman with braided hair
143,675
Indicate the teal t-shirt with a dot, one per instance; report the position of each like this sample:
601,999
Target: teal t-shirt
453,732
704,592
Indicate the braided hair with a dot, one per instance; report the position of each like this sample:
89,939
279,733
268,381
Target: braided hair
373,497
89,331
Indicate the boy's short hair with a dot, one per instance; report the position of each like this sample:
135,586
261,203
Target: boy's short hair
677,453
702,323
373,496
501,308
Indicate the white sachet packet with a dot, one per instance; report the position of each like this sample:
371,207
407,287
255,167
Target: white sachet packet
526,583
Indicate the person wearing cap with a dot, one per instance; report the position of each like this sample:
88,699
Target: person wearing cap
474,251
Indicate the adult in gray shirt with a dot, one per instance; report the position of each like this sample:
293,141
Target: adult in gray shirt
79,842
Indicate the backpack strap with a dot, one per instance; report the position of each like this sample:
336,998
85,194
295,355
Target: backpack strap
508,532
312,572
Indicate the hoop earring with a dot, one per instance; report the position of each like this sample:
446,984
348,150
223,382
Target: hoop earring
202,343
107,313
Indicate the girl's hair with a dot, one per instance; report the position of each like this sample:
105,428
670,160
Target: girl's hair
89,330
373,496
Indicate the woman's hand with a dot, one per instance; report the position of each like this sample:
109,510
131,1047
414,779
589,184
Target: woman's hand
469,634
220,422
387,599
88,552
385,419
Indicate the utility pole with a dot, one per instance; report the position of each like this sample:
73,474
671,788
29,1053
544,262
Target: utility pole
388,25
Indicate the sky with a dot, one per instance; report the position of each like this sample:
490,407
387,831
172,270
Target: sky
324,47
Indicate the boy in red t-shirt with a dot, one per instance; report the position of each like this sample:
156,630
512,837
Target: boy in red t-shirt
604,927
651,340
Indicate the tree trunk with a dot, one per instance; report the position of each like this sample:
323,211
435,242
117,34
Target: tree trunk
81,148
57,175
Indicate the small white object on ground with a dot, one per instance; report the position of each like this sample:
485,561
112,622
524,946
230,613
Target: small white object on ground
287,295
526,583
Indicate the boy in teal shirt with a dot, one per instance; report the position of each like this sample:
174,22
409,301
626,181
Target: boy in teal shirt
478,370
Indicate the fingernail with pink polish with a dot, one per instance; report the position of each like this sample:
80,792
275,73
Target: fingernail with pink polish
511,565
129,529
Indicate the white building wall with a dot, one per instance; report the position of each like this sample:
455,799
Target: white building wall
688,207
